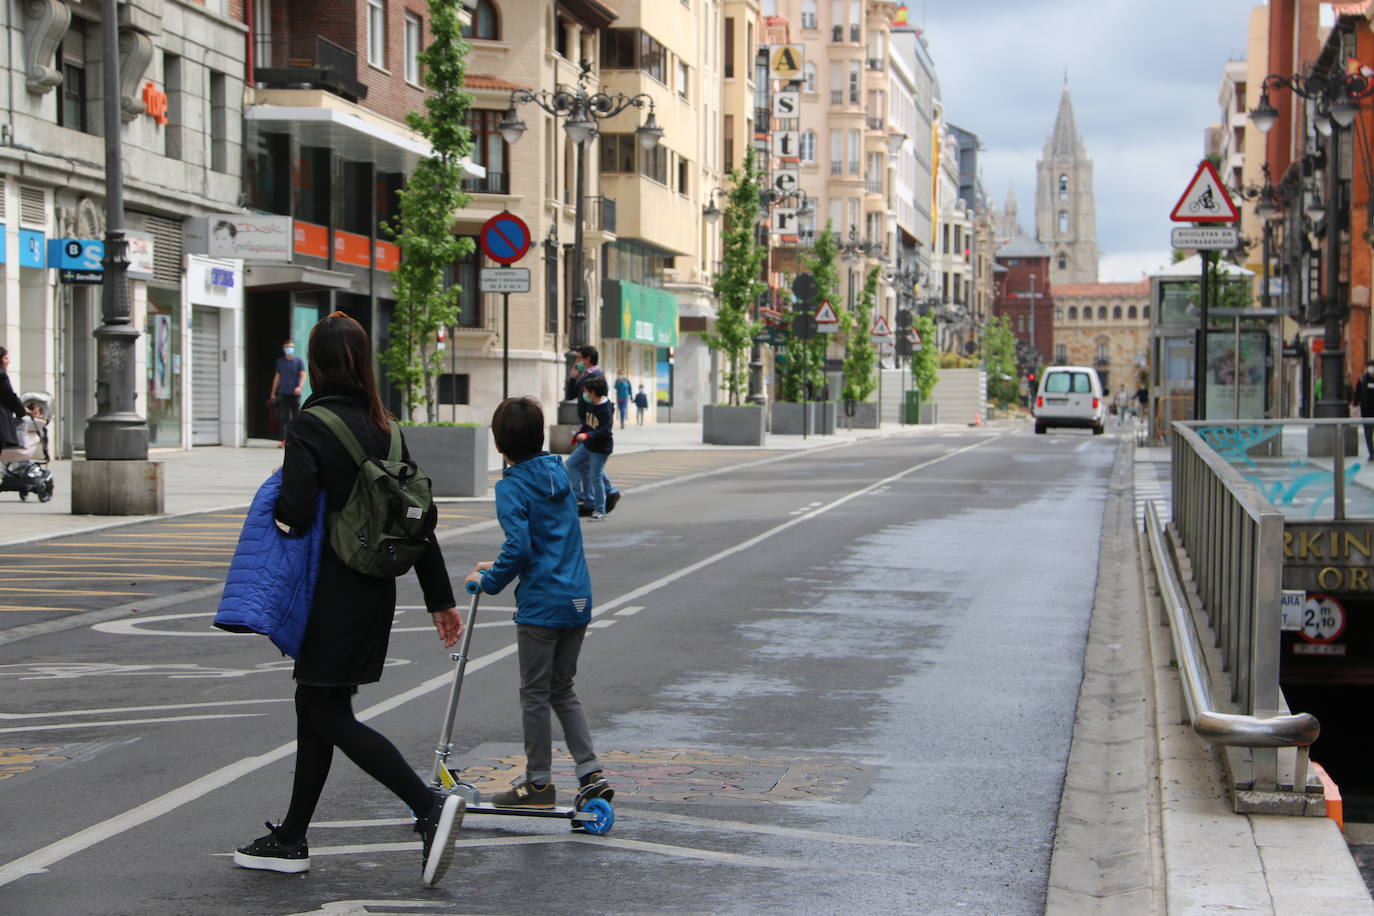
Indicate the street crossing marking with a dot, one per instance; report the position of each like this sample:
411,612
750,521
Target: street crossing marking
115,709
109,722
600,624
629,611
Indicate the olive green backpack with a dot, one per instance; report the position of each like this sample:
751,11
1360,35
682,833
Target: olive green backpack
384,526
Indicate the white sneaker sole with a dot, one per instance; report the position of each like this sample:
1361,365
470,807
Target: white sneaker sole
442,850
271,863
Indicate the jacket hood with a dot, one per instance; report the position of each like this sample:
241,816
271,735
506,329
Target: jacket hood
543,474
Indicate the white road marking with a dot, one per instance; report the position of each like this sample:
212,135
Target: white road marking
116,709
40,859
600,624
105,723
140,626
629,611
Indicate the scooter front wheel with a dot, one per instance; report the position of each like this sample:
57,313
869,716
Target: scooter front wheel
604,818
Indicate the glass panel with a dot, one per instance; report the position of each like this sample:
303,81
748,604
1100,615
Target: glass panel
164,366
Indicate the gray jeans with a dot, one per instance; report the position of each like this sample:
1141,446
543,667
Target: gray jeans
548,664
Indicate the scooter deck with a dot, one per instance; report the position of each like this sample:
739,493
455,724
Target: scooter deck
568,814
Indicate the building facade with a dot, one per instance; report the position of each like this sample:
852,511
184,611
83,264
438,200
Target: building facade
1065,213
1106,326
1025,298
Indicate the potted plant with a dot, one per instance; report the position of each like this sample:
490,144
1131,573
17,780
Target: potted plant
802,374
454,455
737,287
925,368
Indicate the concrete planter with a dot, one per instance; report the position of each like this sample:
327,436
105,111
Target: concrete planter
732,425
824,416
930,414
454,457
787,418
865,416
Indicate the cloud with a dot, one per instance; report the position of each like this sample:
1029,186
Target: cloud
1143,78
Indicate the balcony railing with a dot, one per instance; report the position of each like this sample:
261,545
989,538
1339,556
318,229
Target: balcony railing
492,183
874,185
875,63
836,167
875,122
599,214
837,33
314,61
836,96
763,119
853,32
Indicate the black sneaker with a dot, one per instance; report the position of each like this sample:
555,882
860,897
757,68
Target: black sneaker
526,795
594,785
584,511
271,854
439,831
612,498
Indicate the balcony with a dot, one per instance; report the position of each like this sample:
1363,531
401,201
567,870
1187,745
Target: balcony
873,185
763,119
491,183
836,96
875,123
314,62
875,63
836,167
598,214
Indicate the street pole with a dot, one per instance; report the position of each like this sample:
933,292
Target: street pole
116,431
1200,347
1035,348
505,346
577,330
1332,403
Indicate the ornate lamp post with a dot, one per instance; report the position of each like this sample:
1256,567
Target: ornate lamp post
1337,98
580,108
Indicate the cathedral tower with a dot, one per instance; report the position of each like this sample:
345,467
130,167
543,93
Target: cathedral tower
1065,216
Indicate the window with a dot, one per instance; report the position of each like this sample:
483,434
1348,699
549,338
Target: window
728,139
1073,313
1065,382
1061,353
808,146
1102,355
682,77
376,33
837,20
854,152
561,33
71,60
809,77
1063,187
453,388
219,122
653,163
1063,220
1145,313
653,59
1101,313
684,175
551,285
1116,313
414,31
855,18
173,83
465,276
1131,313
808,15
486,24
729,47
618,153
836,152
854,82
1063,262
489,150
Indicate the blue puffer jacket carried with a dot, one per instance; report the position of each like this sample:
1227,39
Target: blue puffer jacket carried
543,546
271,580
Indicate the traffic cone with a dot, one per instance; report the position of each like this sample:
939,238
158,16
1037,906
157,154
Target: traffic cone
977,419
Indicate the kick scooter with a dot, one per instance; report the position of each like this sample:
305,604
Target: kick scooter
592,815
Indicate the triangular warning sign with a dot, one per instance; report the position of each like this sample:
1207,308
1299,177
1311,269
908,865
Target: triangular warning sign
1206,200
826,315
880,328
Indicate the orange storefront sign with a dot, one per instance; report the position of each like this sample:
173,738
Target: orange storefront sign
350,248
311,240
155,102
388,256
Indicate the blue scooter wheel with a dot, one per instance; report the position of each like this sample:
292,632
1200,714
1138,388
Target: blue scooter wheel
604,820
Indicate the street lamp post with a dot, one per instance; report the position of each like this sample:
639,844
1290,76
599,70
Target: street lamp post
1337,98
580,107
1034,343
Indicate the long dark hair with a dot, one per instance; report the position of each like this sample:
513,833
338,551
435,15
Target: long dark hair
340,354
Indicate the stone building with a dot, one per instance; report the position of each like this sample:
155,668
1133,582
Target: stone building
1106,326
1065,215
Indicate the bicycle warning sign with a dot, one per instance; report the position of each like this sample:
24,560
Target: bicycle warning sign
1206,200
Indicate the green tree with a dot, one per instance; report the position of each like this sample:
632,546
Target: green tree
738,286
806,359
433,195
925,362
999,360
860,356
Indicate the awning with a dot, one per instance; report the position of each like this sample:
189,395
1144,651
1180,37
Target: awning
263,276
349,135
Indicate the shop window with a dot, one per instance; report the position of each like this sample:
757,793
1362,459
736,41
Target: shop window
355,209
486,22
269,173
387,205
313,185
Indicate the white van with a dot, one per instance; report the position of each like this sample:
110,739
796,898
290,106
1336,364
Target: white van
1070,396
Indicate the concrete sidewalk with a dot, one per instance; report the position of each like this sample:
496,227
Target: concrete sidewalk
212,477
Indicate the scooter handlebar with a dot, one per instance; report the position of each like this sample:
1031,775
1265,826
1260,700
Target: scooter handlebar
473,587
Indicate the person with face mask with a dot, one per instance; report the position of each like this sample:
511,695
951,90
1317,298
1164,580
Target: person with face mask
584,369
1364,399
287,384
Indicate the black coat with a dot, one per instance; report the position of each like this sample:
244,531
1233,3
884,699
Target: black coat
1363,398
10,409
350,619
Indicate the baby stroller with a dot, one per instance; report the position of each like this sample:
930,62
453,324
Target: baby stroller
24,469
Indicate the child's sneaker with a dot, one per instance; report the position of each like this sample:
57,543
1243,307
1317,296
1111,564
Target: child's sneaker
597,517
594,785
271,854
526,795
439,831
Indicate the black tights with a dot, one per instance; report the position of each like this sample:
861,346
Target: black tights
324,720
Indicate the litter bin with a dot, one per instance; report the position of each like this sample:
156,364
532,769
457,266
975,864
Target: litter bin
913,407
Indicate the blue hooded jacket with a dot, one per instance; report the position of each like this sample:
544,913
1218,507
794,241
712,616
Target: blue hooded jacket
543,546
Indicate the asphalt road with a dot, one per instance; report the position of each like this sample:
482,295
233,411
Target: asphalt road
828,682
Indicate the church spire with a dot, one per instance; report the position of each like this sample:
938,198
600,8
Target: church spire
1064,141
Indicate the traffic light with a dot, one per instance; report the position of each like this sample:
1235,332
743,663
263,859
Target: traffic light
1030,376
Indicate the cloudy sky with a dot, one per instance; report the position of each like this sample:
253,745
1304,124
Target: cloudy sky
1143,77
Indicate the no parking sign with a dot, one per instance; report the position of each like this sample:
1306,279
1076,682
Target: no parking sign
504,238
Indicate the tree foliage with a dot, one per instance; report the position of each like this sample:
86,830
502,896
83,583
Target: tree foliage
860,356
738,285
806,359
999,360
428,205
925,362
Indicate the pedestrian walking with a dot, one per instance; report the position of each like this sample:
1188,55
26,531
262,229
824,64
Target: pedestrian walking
622,396
584,370
11,408
288,381
587,463
641,405
345,642
1363,398
553,601
1142,399
1123,405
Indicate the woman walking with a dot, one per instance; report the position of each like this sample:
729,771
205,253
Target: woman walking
350,619
11,409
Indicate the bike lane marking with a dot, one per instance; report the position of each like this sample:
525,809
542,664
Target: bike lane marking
39,860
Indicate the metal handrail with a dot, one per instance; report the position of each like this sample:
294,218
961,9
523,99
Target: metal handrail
1298,730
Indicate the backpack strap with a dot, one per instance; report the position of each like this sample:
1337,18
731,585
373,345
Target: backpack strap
341,432
393,454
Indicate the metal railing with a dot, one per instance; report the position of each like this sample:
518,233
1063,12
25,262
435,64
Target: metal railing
1262,735
313,60
599,214
490,183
